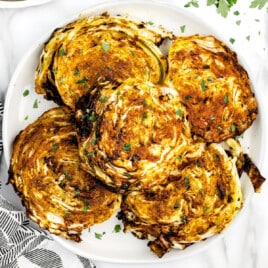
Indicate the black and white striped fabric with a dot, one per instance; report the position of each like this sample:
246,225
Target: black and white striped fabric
23,246
1,116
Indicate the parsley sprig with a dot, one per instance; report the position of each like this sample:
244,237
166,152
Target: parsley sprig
224,6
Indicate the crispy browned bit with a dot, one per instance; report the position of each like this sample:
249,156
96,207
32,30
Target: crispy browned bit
254,174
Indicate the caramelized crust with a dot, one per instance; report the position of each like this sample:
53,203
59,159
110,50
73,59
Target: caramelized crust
136,134
98,49
214,87
45,171
199,203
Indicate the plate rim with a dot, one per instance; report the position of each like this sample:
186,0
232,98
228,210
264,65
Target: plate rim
21,3
109,4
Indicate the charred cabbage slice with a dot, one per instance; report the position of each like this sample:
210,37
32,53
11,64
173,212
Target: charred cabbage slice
199,203
213,85
96,49
45,171
133,135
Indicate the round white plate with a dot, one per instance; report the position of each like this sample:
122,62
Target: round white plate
21,3
21,110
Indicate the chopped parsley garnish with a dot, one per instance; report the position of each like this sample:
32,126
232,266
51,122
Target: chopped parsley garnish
93,118
182,28
103,99
176,206
179,157
238,22
26,92
187,97
232,40
105,46
94,141
85,208
150,22
236,13
35,105
76,71
233,127
62,52
203,85
184,219
55,147
223,6
179,112
93,152
99,236
126,147
117,228
258,4
193,3
26,117
187,182
206,208
225,99
82,81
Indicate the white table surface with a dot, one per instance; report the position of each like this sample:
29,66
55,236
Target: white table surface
246,244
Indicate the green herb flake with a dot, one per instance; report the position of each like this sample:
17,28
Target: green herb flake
62,52
248,37
99,236
233,127
206,208
239,137
179,157
105,46
35,105
238,22
210,79
126,147
187,182
182,28
184,219
94,141
85,208
117,228
92,153
55,147
26,117
144,102
82,81
236,13
179,112
176,205
232,40
187,97
203,85
26,92
103,99
225,99
93,118
150,22
76,71
144,115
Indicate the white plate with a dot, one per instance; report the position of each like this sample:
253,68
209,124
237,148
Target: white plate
119,247
21,3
